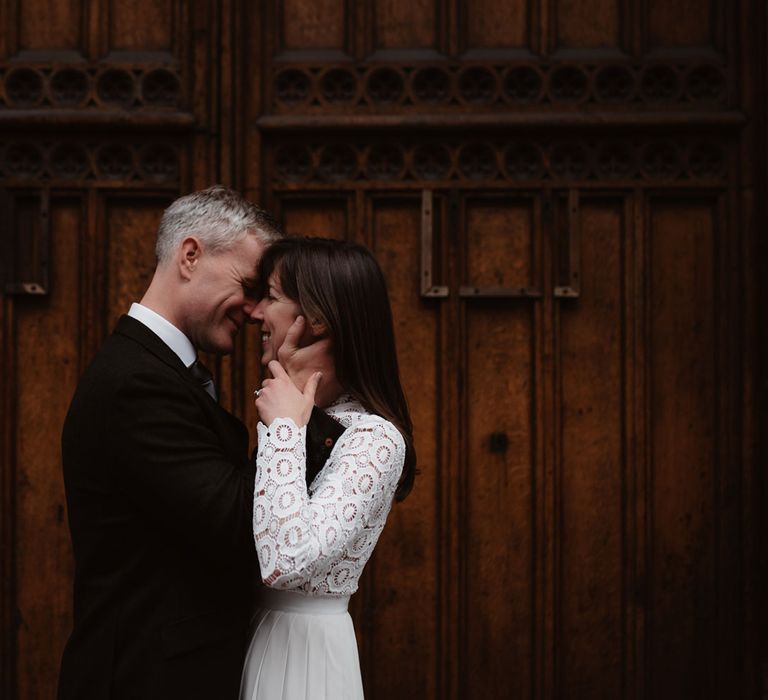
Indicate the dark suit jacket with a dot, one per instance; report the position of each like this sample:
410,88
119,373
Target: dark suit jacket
160,493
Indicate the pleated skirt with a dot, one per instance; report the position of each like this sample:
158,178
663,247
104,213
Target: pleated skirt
302,648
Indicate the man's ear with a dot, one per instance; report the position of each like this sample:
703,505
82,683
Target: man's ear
189,255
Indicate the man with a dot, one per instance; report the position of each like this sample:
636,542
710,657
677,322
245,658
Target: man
159,484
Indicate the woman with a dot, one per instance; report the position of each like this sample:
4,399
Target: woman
314,540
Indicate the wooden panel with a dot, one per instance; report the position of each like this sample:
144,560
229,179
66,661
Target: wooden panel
497,532
683,603
312,25
131,232
680,23
499,240
50,25
47,345
588,24
400,590
326,217
497,24
591,462
143,25
406,24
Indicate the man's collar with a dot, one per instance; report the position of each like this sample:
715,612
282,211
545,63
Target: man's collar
166,331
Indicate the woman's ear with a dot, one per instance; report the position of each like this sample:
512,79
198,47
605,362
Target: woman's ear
317,328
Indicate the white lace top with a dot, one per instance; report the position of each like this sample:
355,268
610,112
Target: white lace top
317,540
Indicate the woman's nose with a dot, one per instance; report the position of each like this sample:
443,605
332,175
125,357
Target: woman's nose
255,311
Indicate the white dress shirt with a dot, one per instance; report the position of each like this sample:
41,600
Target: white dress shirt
166,331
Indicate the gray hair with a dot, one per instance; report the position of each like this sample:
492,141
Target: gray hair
218,216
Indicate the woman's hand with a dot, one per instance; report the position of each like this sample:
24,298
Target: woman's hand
280,398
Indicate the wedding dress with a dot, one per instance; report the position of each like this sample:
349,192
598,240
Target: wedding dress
312,545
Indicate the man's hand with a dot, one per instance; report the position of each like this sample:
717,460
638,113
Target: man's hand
280,398
301,363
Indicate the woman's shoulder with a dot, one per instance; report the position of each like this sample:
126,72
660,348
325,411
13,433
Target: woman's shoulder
357,420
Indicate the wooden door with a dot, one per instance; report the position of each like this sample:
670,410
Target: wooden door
560,196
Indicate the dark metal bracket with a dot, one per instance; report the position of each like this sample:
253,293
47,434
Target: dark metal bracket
568,285
25,239
428,289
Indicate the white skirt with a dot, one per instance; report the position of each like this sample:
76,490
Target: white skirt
302,648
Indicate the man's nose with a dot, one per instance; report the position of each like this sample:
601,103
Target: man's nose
253,310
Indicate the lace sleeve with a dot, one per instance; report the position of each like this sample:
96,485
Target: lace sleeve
321,541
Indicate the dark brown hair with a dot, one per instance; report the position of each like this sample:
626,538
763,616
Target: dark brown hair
342,285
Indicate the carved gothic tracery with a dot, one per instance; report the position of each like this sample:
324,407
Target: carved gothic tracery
124,87
481,86
488,161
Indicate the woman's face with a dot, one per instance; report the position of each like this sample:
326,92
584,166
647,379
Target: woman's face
276,313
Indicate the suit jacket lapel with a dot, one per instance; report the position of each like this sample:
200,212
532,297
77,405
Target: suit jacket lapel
137,331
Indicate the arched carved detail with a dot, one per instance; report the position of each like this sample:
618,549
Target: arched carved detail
69,87
706,160
69,161
477,161
23,160
292,86
569,161
661,160
116,87
523,84
293,163
337,162
660,83
385,86
115,161
431,85
614,84
24,87
568,84
478,85
161,88
523,161
384,161
616,160
338,86
705,83
431,161
159,162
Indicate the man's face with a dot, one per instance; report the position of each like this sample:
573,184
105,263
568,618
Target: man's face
221,300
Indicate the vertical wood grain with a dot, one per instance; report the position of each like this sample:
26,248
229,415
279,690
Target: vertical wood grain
497,24
684,407
129,243
588,24
311,25
683,23
499,458
406,24
592,461
51,25
47,349
399,622
143,25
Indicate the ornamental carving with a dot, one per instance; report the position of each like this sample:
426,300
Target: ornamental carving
490,161
116,87
402,86
76,162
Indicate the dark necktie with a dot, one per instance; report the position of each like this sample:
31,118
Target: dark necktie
202,374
